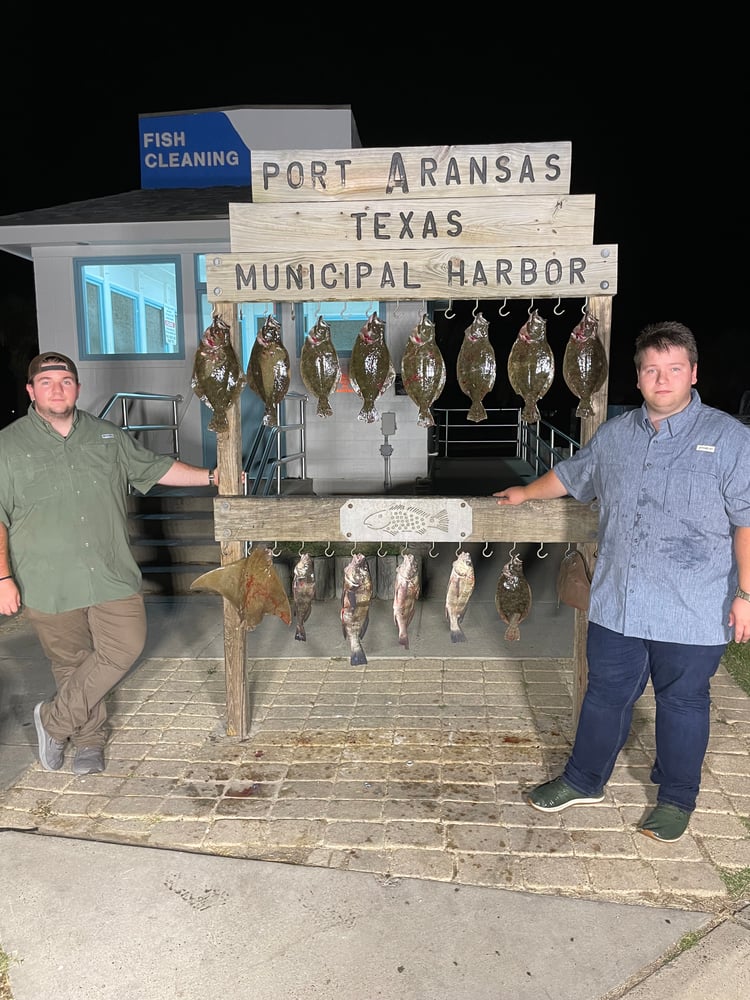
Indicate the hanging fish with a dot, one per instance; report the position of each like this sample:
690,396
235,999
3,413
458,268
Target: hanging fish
371,370
217,378
252,586
513,597
303,593
319,365
355,606
531,365
405,596
460,589
585,363
476,368
268,371
423,369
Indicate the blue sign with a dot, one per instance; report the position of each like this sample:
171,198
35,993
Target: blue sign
192,151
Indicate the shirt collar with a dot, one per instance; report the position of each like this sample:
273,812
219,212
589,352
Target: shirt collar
678,421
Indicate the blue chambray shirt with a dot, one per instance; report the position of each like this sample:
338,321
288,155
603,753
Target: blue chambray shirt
668,504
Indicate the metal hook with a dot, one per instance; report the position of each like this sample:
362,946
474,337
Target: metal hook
476,306
433,553
301,549
485,552
505,307
343,311
448,313
531,307
559,303
458,550
354,549
585,306
539,552
513,551
326,552
276,551
405,549
381,550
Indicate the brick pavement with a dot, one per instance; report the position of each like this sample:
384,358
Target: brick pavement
407,768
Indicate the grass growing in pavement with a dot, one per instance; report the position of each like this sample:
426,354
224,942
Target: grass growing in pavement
6,961
737,661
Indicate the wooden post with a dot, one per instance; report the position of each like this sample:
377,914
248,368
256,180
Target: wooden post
229,463
601,308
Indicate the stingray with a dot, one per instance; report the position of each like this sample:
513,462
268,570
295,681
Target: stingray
252,585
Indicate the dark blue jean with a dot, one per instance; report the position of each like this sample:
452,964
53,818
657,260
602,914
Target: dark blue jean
619,667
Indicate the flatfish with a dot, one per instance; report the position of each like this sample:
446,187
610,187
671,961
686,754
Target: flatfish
371,370
217,378
319,365
405,596
268,370
356,596
423,369
476,368
513,597
531,365
460,589
303,593
252,586
585,363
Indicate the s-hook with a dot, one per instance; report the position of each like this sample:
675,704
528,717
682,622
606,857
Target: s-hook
505,307
539,552
458,550
485,552
476,307
405,548
448,313
513,551
275,551
354,549
559,304
381,550
433,553
326,552
301,549
585,306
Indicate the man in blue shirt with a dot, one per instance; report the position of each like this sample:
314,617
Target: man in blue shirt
671,585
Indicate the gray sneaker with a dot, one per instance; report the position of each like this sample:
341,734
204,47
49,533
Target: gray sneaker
88,760
51,751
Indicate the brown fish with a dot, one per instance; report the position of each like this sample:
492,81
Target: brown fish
355,605
252,586
319,365
217,378
531,365
268,371
476,368
513,597
303,592
585,363
405,596
371,370
423,369
460,589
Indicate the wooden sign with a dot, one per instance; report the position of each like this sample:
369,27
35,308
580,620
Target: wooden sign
316,276
410,172
375,225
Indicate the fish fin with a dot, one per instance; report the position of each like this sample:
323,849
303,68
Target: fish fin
324,407
457,635
585,409
513,633
476,413
225,581
369,415
403,640
358,657
530,413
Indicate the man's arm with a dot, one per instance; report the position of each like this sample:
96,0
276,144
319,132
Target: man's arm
739,613
10,599
182,474
547,487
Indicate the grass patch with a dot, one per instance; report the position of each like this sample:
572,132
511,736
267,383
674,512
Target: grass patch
736,881
737,661
6,961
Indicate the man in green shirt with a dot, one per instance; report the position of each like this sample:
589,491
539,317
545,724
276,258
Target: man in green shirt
65,553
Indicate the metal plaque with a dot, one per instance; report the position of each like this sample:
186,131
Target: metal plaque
409,520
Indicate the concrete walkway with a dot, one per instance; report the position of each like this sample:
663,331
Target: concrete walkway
372,825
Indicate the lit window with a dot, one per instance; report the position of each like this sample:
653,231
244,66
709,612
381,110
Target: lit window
345,319
129,307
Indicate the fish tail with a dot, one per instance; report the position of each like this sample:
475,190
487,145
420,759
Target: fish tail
477,412
368,413
358,657
585,409
403,640
425,419
513,633
457,635
530,413
324,407
300,633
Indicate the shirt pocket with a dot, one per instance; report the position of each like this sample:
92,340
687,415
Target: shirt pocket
37,484
694,496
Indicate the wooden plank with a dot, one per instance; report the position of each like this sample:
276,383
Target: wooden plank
317,519
505,272
449,223
414,171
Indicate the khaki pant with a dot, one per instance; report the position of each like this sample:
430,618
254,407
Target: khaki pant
90,650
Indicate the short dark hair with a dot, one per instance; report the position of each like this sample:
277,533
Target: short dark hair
662,336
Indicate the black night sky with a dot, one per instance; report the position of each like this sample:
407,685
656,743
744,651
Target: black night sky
655,136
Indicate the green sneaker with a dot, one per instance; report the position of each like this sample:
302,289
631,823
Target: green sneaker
557,794
665,822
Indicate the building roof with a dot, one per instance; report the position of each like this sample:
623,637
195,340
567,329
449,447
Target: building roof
164,215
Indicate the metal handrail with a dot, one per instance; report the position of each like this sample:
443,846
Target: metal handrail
128,397
268,471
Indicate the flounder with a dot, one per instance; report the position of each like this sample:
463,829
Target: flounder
319,365
423,369
513,597
252,586
217,378
531,365
371,370
585,363
268,370
476,368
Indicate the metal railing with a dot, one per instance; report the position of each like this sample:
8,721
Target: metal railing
126,401
540,444
267,460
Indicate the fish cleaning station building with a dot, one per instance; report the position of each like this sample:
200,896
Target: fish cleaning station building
255,212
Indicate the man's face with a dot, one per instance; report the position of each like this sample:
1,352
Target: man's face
54,394
665,379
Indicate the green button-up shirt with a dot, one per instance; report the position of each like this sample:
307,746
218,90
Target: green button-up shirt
64,502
